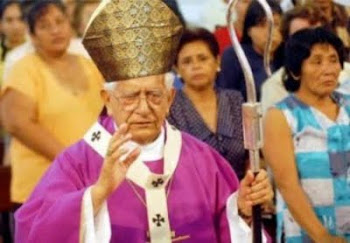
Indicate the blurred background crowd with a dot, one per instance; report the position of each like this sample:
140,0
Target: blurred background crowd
50,87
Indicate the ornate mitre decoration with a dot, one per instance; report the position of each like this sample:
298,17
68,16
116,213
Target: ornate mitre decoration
132,38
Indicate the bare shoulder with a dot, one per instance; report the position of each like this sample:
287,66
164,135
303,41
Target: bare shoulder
274,114
275,121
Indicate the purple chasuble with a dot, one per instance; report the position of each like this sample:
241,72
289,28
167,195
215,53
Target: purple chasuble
197,195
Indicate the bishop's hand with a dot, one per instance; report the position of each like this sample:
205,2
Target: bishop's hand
114,167
253,191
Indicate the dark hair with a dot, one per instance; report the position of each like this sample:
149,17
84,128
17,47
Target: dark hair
298,49
4,5
255,16
39,9
198,34
308,12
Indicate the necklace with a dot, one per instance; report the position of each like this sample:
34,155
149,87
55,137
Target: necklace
131,184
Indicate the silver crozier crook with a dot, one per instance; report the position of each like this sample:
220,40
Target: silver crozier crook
251,110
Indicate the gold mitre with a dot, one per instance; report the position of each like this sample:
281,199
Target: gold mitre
132,38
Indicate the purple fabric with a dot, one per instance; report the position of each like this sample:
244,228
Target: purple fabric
201,184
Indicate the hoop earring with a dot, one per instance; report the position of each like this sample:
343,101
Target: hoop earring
296,78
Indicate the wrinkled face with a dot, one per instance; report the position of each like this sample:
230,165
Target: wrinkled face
259,35
12,24
319,72
197,65
52,31
142,103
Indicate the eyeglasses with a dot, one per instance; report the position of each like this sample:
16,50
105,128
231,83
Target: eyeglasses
130,102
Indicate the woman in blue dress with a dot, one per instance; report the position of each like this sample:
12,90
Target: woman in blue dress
307,142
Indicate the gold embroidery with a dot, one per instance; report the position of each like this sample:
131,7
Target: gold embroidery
133,38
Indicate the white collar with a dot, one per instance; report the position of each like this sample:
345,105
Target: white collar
153,184
150,152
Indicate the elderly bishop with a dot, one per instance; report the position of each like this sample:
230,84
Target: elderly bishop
133,178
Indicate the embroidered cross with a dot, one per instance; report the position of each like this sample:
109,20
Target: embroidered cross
96,136
158,182
158,220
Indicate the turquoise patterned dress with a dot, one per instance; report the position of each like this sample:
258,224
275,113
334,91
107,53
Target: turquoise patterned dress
322,154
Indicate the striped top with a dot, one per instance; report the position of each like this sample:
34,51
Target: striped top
322,156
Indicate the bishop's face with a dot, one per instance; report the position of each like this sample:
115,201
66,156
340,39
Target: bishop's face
142,103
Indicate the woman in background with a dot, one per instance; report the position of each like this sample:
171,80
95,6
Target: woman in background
13,28
49,99
307,142
210,114
13,34
254,39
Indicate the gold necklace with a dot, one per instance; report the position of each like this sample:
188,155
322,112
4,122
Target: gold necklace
140,197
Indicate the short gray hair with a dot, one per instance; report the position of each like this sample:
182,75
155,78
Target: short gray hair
169,79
